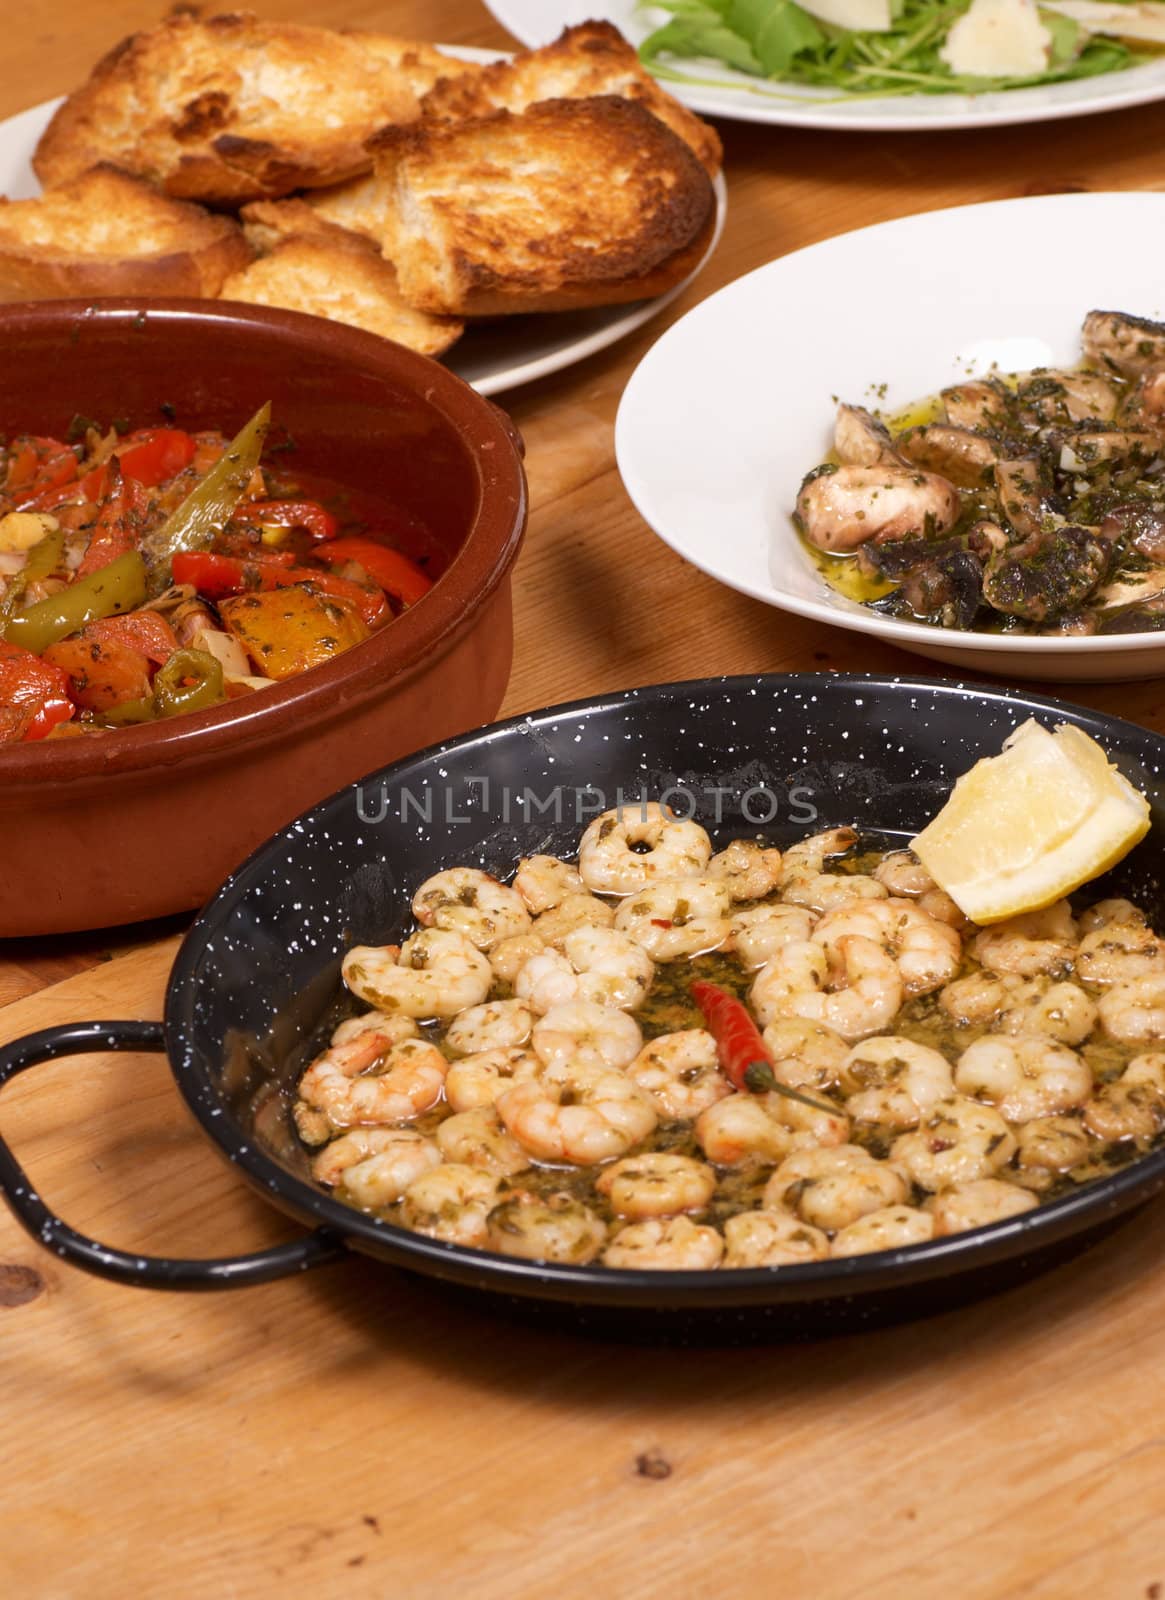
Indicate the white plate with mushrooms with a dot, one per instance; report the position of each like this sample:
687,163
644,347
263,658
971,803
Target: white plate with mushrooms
736,403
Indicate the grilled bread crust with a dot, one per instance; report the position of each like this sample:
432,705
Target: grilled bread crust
591,59
230,108
570,203
338,275
109,233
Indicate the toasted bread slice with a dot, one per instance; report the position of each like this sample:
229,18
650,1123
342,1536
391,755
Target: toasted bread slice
231,108
106,233
592,58
571,203
267,223
332,274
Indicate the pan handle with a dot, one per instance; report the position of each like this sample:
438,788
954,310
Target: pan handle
148,1272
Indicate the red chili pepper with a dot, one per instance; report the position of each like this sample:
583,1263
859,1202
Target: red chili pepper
394,572
216,576
118,523
744,1057
36,691
307,514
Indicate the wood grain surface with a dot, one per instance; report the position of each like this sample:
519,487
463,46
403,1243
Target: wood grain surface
354,1433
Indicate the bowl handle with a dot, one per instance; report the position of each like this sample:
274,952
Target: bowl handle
149,1272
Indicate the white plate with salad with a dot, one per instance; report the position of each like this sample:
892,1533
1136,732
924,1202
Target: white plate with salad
882,65
730,410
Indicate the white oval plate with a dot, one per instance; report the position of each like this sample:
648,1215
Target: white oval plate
734,404
498,355
718,90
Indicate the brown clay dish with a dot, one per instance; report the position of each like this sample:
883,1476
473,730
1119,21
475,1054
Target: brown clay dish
110,830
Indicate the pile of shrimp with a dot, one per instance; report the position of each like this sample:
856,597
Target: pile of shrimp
1032,501
533,1078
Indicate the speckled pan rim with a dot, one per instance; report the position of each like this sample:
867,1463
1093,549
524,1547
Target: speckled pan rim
1027,1233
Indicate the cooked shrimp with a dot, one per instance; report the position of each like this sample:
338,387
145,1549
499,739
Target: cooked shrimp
476,1138
856,993
451,1202
805,882
678,918
1037,941
747,1127
771,1239
1024,1077
467,901
904,877
749,869
805,1055
372,1167
893,1082
1106,913
888,1229
1134,1106
601,965
675,847
582,1031
832,1188
577,1113
436,973
367,1082
959,1141
1118,952
840,508
1012,1004
478,1080
1134,1012
544,881
665,1245
552,1227
656,1184
1047,1146
975,1204
391,1027
681,1073
509,956
742,1128
927,953
758,933
575,911
497,1025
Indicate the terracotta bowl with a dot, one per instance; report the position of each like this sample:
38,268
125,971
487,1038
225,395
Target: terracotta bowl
149,820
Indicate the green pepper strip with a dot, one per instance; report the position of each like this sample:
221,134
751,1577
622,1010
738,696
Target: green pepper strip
174,693
43,560
129,712
118,587
208,507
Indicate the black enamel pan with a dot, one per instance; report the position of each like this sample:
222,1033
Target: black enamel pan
255,986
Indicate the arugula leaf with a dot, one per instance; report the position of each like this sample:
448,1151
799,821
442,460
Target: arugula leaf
692,34
1068,37
778,30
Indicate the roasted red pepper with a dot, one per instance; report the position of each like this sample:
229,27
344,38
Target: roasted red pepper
396,574
744,1057
306,514
118,524
36,692
216,576
154,455
37,466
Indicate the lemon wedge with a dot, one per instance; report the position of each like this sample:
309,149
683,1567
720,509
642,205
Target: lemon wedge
1027,826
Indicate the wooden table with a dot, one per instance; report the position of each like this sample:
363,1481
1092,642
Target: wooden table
351,1433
